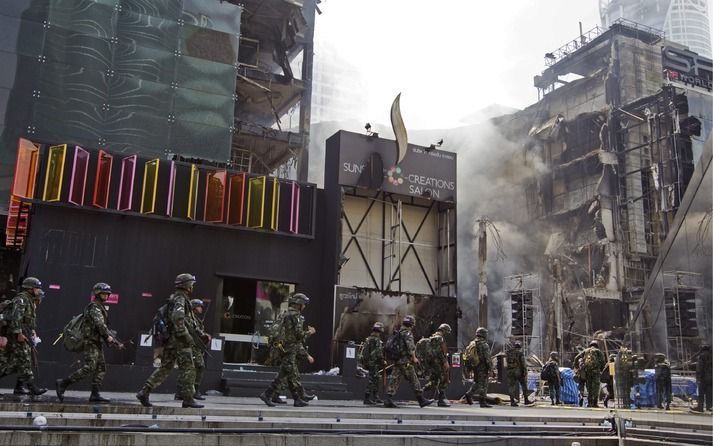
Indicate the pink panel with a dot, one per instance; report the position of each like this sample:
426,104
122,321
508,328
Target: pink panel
171,190
126,183
295,208
78,181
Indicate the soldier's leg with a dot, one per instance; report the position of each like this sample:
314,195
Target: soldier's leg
98,376
199,363
88,368
522,382
168,360
708,393
394,380
482,388
593,385
513,389
23,366
186,373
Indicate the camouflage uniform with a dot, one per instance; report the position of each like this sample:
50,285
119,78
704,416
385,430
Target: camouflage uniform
17,357
291,348
198,353
704,379
481,371
591,372
662,370
517,375
178,348
555,382
372,359
95,331
403,365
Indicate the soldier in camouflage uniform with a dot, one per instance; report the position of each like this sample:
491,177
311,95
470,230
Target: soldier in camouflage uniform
662,370
404,366
371,358
94,331
481,369
437,366
593,361
517,374
551,371
704,378
21,336
197,307
183,332
291,346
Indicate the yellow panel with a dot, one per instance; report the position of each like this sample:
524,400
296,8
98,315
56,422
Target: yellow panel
54,173
256,201
148,191
275,204
193,192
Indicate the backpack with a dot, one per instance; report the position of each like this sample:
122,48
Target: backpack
549,372
5,314
470,355
423,349
73,334
159,326
393,346
590,359
276,332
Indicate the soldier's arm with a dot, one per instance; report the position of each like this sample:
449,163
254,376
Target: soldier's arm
98,322
178,318
19,306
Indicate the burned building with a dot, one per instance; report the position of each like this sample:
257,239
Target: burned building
622,120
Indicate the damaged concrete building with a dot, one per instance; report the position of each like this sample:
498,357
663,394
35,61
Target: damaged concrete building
623,119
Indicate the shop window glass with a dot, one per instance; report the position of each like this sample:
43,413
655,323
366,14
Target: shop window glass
171,189
126,183
148,190
102,180
78,181
236,195
54,173
256,201
193,192
214,196
25,169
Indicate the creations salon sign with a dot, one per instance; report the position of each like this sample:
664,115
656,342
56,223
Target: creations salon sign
370,162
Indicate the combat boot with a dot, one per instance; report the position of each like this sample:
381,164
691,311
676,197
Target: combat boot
277,400
528,402
376,399
143,397
299,402
423,402
367,400
442,401
34,390
191,403
96,397
513,403
484,403
307,397
198,396
266,397
389,403
20,388
61,386
469,398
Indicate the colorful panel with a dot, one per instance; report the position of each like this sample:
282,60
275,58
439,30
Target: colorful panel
256,201
236,199
102,180
275,211
23,184
171,189
126,183
54,173
148,190
193,192
214,196
295,208
78,183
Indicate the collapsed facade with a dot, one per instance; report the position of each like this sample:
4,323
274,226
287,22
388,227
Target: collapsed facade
622,121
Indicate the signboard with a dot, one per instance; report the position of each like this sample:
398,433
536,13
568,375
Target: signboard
370,162
687,67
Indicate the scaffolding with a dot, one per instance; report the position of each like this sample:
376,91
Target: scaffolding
527,286
680,292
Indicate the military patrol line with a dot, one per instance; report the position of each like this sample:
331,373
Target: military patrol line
181,337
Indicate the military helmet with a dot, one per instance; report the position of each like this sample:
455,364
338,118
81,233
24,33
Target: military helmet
554,355
197,303
183,279
299,298
31,282
408,321
594,344
445,328
659,355
101,287
612,356
378,326
481,331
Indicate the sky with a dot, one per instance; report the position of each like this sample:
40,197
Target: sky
448,58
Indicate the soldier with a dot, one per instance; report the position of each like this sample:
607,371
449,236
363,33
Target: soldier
371,358
662,370
608,379
94,331
482,364
22,336
404,366
437,365
551,374
517,374
197,307
182,333
704,378
593,361
290,344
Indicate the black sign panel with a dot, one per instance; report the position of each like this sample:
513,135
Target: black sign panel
370,162
680,65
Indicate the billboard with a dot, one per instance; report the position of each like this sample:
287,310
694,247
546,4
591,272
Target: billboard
369,162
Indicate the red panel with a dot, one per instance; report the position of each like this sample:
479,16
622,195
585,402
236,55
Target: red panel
102,181
236,199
